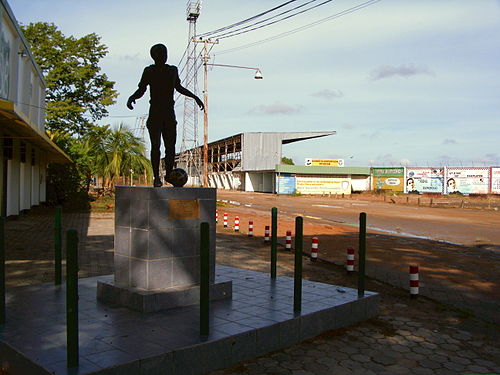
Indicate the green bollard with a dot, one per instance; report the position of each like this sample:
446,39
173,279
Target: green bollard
72,298
204,278
274,241
58,246
362,254
2,270
297,280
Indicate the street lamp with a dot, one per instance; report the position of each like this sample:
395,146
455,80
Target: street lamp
258,75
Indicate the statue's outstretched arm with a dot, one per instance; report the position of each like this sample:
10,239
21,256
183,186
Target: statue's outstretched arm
139,92
184,91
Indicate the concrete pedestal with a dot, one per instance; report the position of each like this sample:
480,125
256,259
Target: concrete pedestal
157,245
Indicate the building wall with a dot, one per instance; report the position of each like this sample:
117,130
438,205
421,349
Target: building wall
361,183
262,182
13,180
21,84
260,151
35,181
42,182
225,180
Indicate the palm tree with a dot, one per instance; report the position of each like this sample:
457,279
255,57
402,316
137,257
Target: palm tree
115,152
124,152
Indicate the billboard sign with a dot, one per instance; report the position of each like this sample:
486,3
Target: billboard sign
388,179
467,180
285,183
424,180
495,180
324,162
323,185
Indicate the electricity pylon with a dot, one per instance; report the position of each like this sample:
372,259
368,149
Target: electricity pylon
190,158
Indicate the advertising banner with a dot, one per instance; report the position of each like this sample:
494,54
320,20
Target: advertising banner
467,180
389,179
495,180
424,180
323,185
285,184
324,162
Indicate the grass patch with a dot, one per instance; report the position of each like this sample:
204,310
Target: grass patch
103,204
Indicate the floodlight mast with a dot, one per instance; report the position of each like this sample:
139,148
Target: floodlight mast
189,152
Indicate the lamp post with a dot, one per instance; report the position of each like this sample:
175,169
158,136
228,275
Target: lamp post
258,75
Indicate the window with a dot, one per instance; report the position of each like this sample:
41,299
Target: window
8,148
23,152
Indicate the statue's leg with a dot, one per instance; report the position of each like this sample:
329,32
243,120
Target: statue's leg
169,134
155,138
169,137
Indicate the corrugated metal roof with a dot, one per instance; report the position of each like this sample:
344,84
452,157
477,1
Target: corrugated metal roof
301,169
262,150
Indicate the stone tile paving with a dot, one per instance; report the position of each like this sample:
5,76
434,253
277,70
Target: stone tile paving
409,337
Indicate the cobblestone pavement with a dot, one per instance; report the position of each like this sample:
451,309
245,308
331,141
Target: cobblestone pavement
409,337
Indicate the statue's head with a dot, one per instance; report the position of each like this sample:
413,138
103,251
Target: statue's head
159,54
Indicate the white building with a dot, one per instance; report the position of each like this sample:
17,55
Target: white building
25,148
252,162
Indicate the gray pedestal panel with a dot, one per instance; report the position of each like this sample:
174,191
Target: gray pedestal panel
157,245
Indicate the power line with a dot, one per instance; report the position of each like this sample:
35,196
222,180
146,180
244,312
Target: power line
234,33
245,21
305,27
264,20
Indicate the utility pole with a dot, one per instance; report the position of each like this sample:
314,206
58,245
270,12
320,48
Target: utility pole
205,60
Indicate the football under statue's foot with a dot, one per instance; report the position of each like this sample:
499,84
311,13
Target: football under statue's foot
177,177
157,182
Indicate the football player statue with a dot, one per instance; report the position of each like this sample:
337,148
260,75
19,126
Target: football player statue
162,79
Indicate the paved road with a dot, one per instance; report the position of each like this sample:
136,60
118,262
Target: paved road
461,226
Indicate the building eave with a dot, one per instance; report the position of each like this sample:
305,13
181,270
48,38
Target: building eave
16,125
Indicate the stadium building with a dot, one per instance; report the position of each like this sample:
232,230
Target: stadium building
252,162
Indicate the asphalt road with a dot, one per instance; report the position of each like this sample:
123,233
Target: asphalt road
468,227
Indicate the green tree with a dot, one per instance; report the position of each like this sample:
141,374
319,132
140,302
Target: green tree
285,160
65,181
77,91
101,152
121,152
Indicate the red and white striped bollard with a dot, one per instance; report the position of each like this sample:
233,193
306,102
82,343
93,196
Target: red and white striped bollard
266,234
225,220
250,228
314,249
216,216
350,259
414,281
237,224
288,242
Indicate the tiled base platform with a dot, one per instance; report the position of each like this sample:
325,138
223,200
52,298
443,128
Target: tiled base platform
116,340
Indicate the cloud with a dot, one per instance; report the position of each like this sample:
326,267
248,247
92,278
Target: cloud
135,57
385,159
408,70
276,109
489,158
328,94
449,141
348,126
372,136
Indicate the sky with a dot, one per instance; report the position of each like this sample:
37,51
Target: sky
402,82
